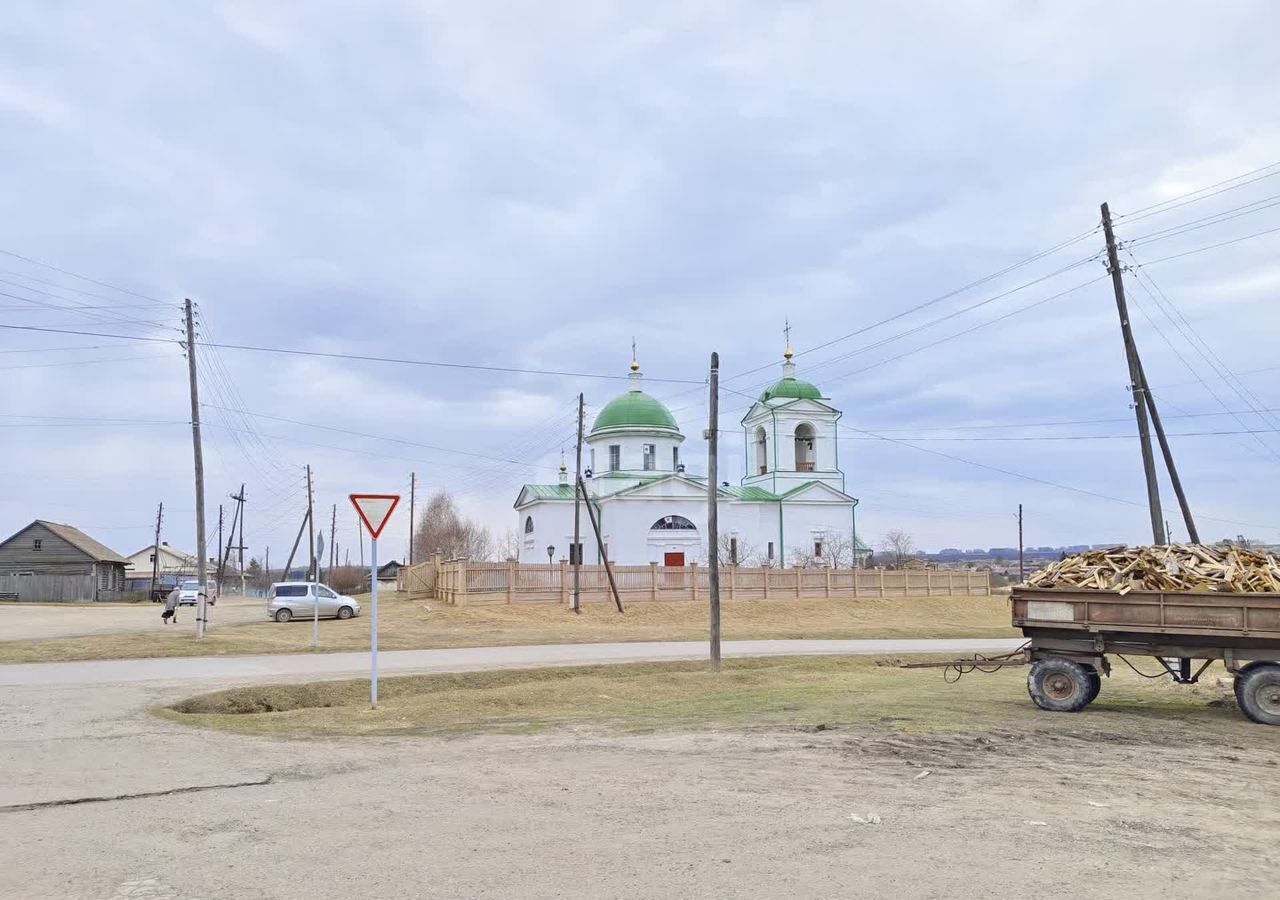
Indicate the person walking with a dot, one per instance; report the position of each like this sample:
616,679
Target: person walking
170,614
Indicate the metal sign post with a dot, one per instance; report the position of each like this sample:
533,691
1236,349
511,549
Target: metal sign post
374,511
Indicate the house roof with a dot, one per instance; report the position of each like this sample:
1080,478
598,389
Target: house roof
547,492
81,541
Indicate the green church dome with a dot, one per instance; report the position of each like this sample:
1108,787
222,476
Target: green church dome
634,409
791,387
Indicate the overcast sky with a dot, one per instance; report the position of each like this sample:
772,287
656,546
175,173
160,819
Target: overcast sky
531,185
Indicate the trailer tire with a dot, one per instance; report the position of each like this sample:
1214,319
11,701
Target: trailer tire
1095,684
1258,693
1061,685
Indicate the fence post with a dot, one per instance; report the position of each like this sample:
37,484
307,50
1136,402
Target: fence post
799,575
951,583
564,591
882,582
653,581
828,594
764,578
693,579
511,580
462,587
732,578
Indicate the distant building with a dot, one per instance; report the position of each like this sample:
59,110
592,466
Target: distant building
51,561
172,562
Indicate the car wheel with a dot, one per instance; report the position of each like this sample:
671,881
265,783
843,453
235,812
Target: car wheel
345,612
283,615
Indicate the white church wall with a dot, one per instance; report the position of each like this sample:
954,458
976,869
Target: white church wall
631,452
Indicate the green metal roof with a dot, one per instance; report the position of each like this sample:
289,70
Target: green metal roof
792,388
549,491
749,492
634,409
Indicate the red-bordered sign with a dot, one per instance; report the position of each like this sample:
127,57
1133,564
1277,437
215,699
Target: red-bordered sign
374,510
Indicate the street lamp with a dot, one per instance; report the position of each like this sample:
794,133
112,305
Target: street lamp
551,552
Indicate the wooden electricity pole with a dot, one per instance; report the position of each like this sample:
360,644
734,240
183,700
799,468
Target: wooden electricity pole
1022,569
311,531
202,552
333,545
595,526
575,552
155,556
306,517
1167,453
1135,382
713,524
413,491
240,541
222,555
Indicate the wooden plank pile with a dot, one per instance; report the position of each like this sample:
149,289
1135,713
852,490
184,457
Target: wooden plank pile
1176,567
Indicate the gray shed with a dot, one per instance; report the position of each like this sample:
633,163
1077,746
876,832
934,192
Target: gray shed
50,561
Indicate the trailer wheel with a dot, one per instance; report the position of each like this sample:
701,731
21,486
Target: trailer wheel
1061,685
1258,693
1095,684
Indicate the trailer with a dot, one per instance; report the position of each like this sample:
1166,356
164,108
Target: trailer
1071,632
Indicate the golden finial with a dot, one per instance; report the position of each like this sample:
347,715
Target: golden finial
635,363
787,354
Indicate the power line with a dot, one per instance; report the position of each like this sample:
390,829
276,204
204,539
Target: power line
1152,262
84,278
86,362
1138,214
1205,222
1088,437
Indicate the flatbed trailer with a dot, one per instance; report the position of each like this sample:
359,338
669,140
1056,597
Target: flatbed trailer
1070,633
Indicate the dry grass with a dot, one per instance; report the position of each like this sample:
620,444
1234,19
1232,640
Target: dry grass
410,625
815,692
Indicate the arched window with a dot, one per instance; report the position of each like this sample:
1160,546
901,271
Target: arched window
673,523
804,448
762,451
528,524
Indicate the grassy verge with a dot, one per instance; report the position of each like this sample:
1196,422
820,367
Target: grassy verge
407,625
827,691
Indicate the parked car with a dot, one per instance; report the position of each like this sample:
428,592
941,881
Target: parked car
189,592
299,599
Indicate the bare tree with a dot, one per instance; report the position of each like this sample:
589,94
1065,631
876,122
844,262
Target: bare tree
510,544
733,551
443,529
898,547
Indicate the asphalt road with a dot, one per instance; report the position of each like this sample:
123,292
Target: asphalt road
321,665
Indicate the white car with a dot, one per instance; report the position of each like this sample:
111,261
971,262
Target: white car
189,592
300,599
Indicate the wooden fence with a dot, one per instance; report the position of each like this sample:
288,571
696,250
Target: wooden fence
49,588
462,582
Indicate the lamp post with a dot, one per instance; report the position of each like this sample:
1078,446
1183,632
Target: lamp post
551,552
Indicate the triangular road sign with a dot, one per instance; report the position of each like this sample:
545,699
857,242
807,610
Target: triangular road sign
374,510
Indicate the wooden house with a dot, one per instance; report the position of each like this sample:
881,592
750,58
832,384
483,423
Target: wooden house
49,561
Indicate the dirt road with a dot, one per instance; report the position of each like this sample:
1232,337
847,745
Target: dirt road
38,621
1092,804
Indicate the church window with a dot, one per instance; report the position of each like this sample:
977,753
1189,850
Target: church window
817,549
762,451
804,448
771,551
615,457
733,551
673,523
675,459
650,457
528,524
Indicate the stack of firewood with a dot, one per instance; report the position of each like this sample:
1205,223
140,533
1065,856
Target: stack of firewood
1176,567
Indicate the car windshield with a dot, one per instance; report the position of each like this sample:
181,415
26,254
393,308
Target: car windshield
190,585
291,590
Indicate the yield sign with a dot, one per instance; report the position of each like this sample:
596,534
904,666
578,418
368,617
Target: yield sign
374,510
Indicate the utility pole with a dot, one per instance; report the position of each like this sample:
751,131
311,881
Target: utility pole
595,526
575,553
413,490
306,517
333,546
1022,569
198,452
155,556
241,540
713,524
222,554
1192,534
266,567
1135,382
311,531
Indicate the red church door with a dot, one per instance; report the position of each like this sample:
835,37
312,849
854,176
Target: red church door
673,559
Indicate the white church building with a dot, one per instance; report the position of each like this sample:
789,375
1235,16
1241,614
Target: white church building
790,508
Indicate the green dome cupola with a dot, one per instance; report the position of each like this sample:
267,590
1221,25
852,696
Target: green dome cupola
790,387
635,410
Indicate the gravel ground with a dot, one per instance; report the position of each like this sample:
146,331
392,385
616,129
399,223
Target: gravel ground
1071,807
38,621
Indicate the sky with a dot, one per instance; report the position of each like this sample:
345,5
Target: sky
531,186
